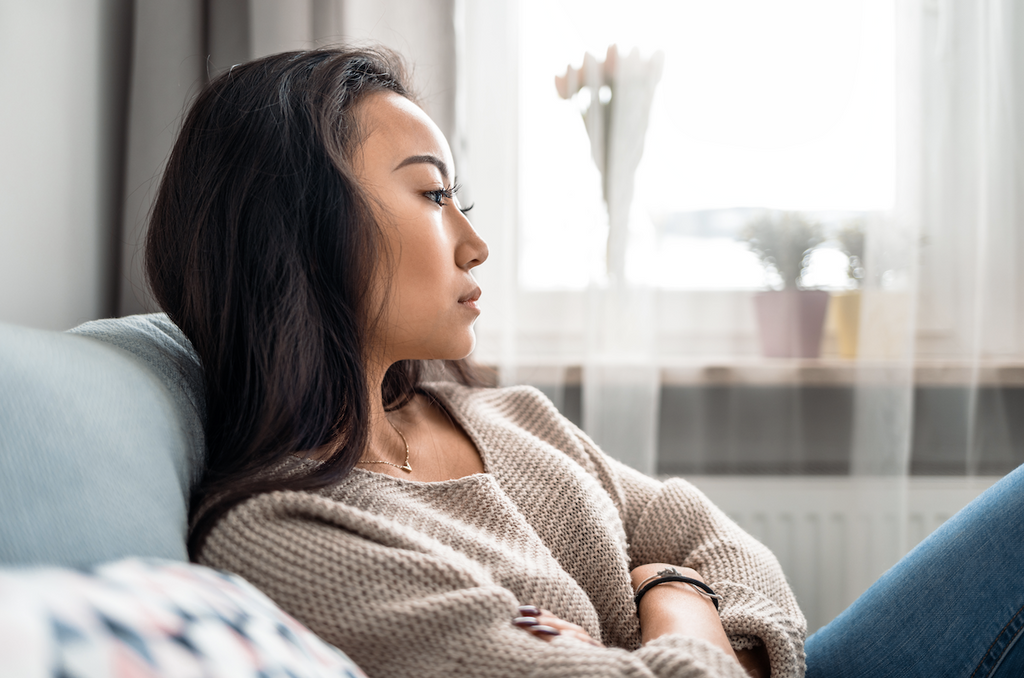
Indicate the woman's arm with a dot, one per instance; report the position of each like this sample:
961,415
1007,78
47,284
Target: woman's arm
673,522
676,607
400,604
668,608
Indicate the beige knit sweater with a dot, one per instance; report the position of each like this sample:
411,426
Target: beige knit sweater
423,579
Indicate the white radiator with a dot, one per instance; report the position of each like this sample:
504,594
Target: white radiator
835,535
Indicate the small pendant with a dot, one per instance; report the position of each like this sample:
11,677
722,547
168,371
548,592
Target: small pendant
406,468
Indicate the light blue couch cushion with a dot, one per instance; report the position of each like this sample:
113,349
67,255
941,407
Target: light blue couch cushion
101,438
166,351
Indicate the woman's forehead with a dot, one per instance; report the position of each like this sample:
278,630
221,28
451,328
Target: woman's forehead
396,129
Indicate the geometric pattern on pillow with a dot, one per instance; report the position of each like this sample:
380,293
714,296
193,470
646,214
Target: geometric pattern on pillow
152,618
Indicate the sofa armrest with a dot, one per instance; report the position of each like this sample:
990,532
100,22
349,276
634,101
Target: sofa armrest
96,455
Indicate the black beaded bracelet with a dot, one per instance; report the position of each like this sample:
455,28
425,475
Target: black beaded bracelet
672,574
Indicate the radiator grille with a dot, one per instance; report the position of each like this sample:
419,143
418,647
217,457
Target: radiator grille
834,536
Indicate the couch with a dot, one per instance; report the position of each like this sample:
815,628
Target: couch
101,440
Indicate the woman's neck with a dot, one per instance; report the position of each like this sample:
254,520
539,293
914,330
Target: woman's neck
422,433
382,441
385,442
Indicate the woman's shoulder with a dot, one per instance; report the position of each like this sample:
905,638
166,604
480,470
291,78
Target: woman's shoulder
498,416
521,403
344,509
523,408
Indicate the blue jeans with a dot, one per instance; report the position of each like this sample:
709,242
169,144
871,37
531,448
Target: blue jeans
954,606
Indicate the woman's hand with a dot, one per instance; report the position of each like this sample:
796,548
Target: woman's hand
545,625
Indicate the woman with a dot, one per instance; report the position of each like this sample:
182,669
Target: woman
309,240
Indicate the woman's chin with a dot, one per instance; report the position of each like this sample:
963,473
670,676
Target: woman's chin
457,349
466,348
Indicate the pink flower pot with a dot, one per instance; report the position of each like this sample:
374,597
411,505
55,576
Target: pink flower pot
791,322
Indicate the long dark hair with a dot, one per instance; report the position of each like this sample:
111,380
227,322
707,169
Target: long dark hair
262,248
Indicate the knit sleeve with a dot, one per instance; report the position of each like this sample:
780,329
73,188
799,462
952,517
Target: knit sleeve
674,522
399,608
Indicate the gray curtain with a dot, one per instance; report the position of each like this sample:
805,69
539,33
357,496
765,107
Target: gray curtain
167,68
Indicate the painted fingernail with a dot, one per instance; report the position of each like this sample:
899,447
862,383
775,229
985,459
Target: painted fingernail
525,621
529,610
545,630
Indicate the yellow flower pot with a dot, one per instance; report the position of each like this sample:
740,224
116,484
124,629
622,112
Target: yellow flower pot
845,308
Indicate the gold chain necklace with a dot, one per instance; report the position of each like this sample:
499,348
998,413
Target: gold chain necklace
405,467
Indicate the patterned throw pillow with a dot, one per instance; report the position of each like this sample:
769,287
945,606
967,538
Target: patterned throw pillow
152,618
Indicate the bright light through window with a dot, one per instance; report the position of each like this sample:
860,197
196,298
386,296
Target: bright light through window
762,105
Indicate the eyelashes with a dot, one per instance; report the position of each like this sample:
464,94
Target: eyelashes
440,195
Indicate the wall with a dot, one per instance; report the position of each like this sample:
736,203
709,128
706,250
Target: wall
62,73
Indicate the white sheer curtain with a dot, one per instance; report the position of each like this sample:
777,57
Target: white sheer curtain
943,306
937,380
604,346
598,340
970,158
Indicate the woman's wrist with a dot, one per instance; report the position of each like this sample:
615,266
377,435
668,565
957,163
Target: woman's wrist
678,608
671,575
642,573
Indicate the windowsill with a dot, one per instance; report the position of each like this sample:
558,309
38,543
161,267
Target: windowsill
843,372
711,337
838,372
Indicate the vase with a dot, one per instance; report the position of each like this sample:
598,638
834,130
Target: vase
791,322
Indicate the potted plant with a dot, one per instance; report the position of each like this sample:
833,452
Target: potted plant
846,304
790,318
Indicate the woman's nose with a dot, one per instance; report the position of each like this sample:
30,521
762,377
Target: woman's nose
472,250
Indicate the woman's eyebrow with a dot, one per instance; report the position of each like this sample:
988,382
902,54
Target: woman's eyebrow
428,159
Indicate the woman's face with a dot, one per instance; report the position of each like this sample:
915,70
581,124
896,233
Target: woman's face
405,165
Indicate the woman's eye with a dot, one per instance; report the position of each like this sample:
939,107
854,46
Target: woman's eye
440,195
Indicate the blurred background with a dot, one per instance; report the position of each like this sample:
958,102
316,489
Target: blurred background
772,247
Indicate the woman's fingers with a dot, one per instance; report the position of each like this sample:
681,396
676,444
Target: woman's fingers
543,624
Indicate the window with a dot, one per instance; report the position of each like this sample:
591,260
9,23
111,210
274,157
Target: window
783,105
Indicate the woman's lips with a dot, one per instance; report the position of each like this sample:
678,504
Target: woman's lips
469,301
